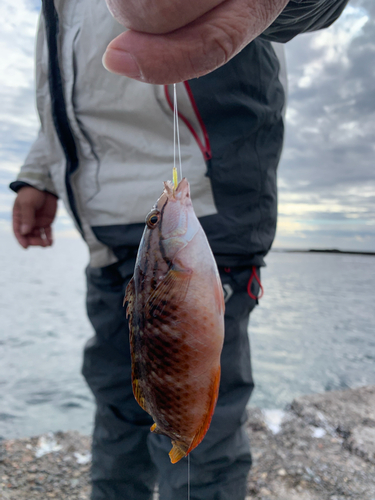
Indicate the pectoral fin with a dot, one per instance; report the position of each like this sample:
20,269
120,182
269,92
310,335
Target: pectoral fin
172,288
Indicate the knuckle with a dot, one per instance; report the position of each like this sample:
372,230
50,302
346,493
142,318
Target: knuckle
225,41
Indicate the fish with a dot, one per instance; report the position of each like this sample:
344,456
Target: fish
175,308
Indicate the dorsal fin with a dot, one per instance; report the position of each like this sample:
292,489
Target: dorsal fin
138,394
129,297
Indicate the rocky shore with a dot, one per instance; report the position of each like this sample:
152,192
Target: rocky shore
320,448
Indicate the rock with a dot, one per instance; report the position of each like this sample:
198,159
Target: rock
337,410
362,442
47,476
264,492
324,449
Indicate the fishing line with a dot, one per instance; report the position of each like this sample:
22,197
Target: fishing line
176,134
188,477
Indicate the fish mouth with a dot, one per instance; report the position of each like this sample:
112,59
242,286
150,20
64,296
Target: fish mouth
182,190
170,193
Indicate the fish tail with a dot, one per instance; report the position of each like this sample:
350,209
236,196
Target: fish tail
177,452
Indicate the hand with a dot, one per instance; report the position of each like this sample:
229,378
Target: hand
33,214
169,41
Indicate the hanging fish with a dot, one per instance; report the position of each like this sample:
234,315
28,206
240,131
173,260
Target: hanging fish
176,321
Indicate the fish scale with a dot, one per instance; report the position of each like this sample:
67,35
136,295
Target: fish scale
176,322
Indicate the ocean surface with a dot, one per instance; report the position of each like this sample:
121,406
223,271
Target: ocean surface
313,331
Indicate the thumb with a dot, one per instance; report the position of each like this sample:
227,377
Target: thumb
27,218
26,204
25,208
165,58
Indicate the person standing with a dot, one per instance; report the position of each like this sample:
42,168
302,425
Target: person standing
104,148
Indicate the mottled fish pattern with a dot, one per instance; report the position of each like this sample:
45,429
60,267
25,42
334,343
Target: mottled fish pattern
175,308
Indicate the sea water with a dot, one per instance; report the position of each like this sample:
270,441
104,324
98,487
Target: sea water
313,331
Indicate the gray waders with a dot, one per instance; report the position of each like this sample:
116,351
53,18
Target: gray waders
128,460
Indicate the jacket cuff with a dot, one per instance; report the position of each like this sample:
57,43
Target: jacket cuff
36,179
17,185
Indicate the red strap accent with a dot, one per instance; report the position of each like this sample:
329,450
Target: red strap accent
207,151
254,275
206,147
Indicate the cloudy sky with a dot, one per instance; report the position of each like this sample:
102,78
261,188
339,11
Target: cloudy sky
326,177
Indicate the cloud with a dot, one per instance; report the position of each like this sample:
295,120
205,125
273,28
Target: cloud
327,169
18,120
18,117
326,177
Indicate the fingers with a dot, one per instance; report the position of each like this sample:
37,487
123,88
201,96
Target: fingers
162,16
174,57
27,216
23,219
194,49
41,237
33,214
47,236
17,221
28,201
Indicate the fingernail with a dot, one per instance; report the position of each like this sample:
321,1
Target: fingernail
25,229
121,62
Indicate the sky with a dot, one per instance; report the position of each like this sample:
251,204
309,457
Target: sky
327,172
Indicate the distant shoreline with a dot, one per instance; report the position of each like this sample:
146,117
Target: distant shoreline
324,250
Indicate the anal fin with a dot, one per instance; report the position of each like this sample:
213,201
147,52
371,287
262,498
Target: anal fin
155,429
138,394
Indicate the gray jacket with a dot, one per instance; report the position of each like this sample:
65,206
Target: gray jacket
106,141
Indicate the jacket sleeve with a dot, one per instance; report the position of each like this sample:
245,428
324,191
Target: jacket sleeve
35,171
300,16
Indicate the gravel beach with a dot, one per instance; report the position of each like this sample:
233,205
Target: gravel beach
322,447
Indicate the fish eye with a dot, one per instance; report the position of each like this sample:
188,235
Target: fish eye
152,219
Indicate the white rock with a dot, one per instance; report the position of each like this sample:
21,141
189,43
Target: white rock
83,459
318,432
46,444
273,419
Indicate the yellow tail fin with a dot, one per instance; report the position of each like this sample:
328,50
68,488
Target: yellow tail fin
177,452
